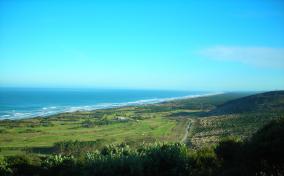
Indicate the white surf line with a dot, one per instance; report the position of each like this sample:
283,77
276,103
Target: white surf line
104,106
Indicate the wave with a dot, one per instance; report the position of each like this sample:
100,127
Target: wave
52,110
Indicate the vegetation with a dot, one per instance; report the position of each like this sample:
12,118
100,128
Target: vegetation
259,103
262,154
31,135
210,130
239,118
226,134
164,122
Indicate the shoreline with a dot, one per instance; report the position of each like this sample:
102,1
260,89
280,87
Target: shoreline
101,106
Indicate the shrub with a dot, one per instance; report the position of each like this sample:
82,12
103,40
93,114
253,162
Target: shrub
260,155
228,150
264,151
88,124
60,165
4,169
75,147
203,162
24,164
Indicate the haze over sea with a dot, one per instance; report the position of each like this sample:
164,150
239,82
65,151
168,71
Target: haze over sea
17,103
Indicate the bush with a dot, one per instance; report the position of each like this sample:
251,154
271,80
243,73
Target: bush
165,159
260,155
228,150
4,169
24,164
60,165
75,147
203,162
88,124
264,151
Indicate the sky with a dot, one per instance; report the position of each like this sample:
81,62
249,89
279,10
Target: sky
223,45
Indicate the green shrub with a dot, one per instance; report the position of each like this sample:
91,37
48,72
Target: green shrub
88,124
203,162
264,151
4,168
24,164
75,147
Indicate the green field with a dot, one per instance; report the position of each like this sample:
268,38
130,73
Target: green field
164,122
17,136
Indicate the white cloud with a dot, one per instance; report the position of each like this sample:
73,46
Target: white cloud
256,56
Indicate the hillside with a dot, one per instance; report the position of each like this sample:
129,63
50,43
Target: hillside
261,103
238,118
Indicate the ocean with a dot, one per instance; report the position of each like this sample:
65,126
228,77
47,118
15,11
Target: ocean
19,103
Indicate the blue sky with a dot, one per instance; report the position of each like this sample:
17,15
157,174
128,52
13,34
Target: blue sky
143,44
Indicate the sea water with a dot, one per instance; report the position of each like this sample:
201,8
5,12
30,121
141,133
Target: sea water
18,103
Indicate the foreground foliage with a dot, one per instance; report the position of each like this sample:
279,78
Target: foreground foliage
262,154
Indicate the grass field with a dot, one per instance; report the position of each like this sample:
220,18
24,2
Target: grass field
164,122
44,132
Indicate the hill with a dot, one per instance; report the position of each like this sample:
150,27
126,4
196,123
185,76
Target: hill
260,103
238,118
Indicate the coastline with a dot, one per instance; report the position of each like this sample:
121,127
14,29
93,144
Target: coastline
52,110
